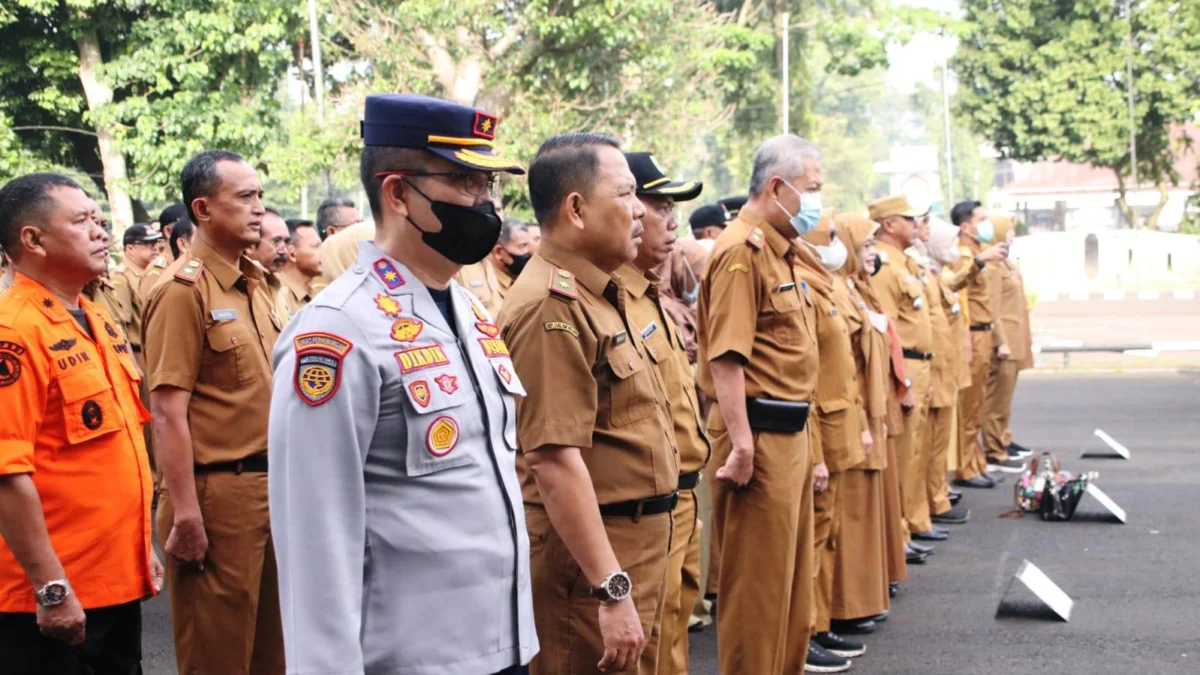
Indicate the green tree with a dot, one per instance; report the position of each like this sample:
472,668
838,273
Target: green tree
1044,79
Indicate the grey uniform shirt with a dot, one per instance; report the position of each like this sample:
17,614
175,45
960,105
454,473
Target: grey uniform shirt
395,507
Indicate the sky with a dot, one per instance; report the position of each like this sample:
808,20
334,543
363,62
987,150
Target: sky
916,61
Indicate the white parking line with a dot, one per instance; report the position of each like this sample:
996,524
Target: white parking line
1186,294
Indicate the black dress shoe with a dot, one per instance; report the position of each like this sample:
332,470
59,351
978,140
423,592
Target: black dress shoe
941,530
920,548
1006,465
954,496
853,627
957,515
976,482
996,480
913,558
931,535
821,661
881,617
1018,451
840,646
893,589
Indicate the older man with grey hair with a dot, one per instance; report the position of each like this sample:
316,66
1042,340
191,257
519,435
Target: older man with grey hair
490,278
758,361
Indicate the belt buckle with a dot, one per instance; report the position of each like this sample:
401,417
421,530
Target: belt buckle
239,467
637,513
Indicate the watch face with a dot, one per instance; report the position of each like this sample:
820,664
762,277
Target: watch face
619,586
54,594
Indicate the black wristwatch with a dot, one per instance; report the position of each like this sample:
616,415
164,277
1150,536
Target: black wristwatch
615,588
979,263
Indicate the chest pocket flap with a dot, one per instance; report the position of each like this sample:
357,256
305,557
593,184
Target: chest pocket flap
89,405
228,365
631,390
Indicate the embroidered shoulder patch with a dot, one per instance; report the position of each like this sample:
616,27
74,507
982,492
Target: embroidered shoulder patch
738,267
562,283
319,365
387,273
756,238
190,272
561,325
10,363
420,358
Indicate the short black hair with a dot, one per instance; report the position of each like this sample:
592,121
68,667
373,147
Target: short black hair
294,225
564,164
181,229
273,212
171,214
962,211
199,177
23,198
381,158
325,213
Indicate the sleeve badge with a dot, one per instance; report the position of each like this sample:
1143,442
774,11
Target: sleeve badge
319,366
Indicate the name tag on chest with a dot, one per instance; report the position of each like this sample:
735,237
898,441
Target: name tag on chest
223,314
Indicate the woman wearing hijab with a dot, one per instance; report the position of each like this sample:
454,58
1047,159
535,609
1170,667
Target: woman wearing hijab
1002,379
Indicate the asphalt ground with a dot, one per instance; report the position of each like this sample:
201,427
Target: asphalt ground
1136,586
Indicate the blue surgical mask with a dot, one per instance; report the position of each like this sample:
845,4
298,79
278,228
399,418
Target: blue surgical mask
987,232
810,211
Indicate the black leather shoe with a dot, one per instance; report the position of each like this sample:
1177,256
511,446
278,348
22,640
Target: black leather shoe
839,646
957,515
913,558
881,617
976,482
941,530
931,535
893,589
955,497
996,479
920,548
821,661
853,627
1018,451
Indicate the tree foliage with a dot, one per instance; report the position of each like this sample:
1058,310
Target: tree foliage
1045,79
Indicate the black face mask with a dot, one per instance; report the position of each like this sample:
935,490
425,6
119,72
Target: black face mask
878,264
518,263
468,233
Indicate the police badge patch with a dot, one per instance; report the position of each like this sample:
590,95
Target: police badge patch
319,366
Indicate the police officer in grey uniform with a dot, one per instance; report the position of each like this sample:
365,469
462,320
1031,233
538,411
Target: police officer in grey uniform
395,505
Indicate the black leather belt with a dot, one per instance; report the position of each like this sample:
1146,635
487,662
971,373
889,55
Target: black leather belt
255,464
637,508
768,414
980,327
136,349
920,356
689,481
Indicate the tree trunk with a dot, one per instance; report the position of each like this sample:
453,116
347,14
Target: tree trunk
1123,202
1163,195
99,95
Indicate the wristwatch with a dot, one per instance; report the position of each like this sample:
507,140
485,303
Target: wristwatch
53,593
979,263
615,588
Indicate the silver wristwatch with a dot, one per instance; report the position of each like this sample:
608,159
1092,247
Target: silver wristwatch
53,593
615,588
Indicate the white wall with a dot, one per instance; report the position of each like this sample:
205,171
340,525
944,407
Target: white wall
1055,263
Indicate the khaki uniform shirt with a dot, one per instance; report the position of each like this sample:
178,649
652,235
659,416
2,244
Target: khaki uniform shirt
665,345
1014,315
944,373
754,304
589,379
126,282
210,328
339,252
839,403
488,282
869,340
150,277
983,289
293,296
902,295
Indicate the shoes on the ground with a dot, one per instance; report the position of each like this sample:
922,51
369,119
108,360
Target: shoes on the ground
954,496
696,624
893,589
931,535
914,558
920,548
821,661
1018,451
881,617
941,530
957,515
839,646
853,627
976,482
996,480
1006,465
711,600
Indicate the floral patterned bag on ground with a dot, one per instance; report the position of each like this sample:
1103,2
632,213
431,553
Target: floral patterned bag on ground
1046,489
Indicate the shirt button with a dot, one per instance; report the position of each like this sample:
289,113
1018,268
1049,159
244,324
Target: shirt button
359,270
233,340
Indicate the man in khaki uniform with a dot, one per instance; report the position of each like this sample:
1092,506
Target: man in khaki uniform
210,394
178,243
1014,317
302,267
903,297
758,360
490,278
599,464
665,344
340,251
838,435
987,339
141,248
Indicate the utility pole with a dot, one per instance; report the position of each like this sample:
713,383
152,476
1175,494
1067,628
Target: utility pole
318,71
786,105
949,151
1132,121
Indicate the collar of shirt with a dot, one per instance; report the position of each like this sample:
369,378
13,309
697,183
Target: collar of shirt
779,244
295,286
222,270
969,242
635,282
893,254
41,297
591,277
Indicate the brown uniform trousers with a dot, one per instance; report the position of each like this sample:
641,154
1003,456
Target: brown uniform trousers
579,330
936,434
1002,378
210,327
754,305
904,298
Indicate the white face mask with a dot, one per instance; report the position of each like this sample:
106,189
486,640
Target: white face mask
833,257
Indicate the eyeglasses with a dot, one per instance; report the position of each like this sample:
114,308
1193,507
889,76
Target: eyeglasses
473,183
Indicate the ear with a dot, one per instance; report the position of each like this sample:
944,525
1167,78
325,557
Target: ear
200,208
391,195
291,253
573,206
499,252
31,240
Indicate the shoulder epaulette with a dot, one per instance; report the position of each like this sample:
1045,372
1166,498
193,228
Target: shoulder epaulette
160,262
562,283
883,258
755,238
190,272
119,269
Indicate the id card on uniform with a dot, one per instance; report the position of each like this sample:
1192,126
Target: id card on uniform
223,314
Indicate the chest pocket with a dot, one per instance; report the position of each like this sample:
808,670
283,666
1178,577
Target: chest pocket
89,404
783,315
436,419
631,389
658,345
227,362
